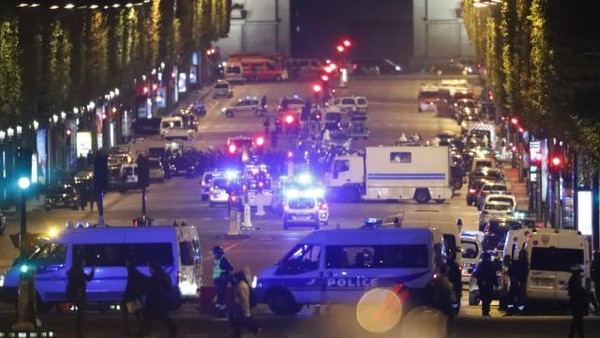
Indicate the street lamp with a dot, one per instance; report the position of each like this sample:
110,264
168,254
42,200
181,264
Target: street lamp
10,132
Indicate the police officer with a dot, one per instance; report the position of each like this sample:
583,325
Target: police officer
579,299
222,270
518,272
485,272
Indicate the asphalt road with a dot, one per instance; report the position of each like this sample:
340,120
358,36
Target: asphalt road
392,110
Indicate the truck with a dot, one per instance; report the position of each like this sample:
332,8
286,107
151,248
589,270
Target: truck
392,173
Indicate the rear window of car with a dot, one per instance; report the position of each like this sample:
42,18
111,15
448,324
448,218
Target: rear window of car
347,101
501,199
301,203
495,206
555,259
362,101
220,183
222,86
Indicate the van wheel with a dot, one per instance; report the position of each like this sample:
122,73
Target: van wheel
282,302
422,196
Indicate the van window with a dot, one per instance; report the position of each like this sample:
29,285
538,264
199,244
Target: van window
470,249
376,256
302,258
154,164
340,166
51,254
232,70
189,251
555,259
449,244
400,157
171,124
115,254
222,85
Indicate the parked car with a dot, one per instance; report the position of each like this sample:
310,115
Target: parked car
222,89
62,196
245,105
156,171
375,67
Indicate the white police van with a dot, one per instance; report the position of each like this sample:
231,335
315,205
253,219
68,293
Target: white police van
176,249
552,253
339,266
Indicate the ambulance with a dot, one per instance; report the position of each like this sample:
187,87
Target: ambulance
339,266
552,253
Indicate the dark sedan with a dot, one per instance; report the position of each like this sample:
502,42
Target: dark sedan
62,196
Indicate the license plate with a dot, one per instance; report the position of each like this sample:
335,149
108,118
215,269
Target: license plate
301,218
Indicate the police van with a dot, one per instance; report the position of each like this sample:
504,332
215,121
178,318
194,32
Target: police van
176,249
552,253
339,266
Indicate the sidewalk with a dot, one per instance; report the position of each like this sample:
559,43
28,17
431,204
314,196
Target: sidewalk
519,189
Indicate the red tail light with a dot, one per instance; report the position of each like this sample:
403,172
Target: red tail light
232,148
472,191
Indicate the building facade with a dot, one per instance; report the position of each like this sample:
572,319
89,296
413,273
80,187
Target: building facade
257,26
439,32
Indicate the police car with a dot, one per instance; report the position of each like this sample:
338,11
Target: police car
219,187
305,208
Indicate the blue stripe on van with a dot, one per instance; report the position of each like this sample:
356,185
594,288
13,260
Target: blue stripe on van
407,176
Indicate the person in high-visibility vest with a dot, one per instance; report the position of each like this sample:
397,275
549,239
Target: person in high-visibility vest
222,271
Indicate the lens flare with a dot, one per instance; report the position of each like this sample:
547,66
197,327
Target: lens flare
379,310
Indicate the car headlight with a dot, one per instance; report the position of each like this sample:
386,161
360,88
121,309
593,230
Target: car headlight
253,284
2,280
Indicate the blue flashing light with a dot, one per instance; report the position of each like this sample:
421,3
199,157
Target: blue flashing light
24,268
305,178
231,174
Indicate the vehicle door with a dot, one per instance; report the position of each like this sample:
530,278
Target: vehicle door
341,172
51,271
302,273
241,106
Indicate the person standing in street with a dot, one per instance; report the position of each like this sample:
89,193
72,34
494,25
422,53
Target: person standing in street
132,297
267,125
263,103
579,300
76,291
241,314
518,272
455,277
158,287
485,272
222,270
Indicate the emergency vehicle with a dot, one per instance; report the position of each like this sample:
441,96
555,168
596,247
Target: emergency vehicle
471,248
428,96
176,249
339,266
392,173
552,253
257,184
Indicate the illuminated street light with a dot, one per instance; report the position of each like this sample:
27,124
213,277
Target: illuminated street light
36,124
19,131
55,118
10,132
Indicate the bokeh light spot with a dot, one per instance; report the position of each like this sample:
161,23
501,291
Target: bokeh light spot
379,310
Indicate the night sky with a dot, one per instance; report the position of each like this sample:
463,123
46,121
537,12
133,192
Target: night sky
379,28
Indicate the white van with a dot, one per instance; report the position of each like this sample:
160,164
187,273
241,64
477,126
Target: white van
234,72
551,253
176,249
339,266
307,66
173,127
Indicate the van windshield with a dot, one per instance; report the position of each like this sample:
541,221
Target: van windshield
51,254
171,124
302,258
555,259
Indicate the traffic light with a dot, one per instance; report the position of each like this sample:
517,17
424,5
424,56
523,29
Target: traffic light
68,133
347,43
100,173
556,163
23,162
143,170
325,77
340,48
317,88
